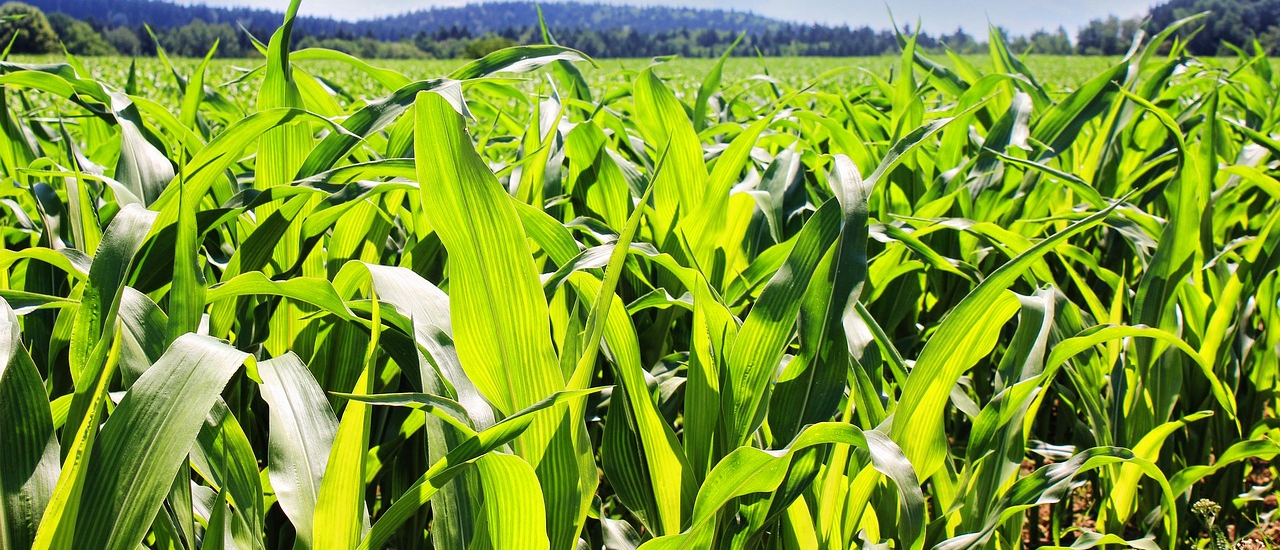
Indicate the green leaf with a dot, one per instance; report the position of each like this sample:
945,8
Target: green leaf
758,350
518,59
499,312
147,438
747,470
500,318
340,506
28,448
810,387
186,295
1265,449
1058,127
679,188
95,321
142,167
217,536
955,347
451,465
710,84
302,429
1052,483
513,513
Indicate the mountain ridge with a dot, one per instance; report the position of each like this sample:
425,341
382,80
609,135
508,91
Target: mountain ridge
478,17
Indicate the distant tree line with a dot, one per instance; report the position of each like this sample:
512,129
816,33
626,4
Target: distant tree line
94,36
1230,23
105,27
479,18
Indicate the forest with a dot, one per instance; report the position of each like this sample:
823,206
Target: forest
126,27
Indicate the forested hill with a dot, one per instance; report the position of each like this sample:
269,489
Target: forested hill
608,30
496,16
476,18
163,15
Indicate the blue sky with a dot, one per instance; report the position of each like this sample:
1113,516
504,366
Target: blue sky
1019,16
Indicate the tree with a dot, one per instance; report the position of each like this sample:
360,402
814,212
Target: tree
1110,36
1056,43
34,33
195,38
961,42
1270,40
486,45
1235,22
123,40
78,37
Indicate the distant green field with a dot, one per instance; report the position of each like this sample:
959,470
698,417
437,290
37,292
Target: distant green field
1055,72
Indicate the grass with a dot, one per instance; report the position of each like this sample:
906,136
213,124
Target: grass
535,301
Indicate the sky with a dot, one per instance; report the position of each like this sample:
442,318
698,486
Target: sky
936,16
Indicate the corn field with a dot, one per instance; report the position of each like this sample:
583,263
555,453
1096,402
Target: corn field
952,307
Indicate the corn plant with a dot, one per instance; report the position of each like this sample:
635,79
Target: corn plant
535,304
